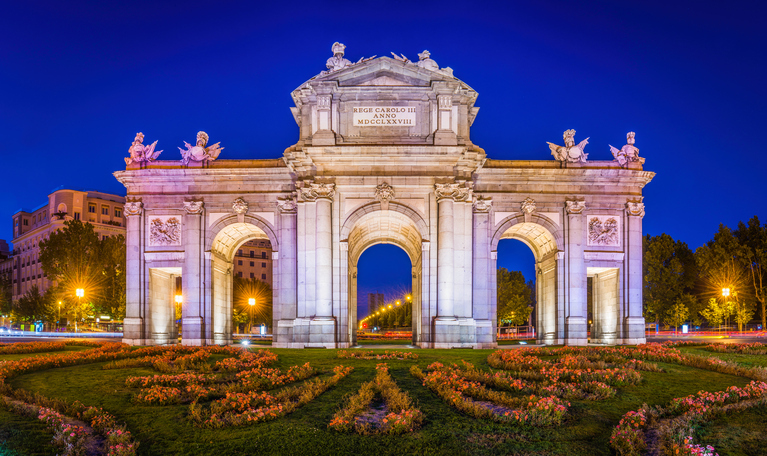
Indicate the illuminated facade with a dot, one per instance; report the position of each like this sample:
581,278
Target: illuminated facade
384,155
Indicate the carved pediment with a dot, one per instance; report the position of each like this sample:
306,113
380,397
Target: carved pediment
385,71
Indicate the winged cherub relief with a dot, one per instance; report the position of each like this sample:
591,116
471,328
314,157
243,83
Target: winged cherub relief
199,152
569,152
139,153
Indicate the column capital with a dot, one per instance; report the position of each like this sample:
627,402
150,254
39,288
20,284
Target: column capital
575,207
193,207
455,191
635,209
483,205
133,208
287,204
315,191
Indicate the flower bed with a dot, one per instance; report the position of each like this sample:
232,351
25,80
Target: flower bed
461,393
676,423
402,417
755,348
343,354
238,409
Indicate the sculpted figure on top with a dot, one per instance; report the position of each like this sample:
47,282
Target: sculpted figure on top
627,153
199,152
139,153
425,61
569,152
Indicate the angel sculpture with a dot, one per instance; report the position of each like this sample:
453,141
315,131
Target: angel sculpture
569,152
139,153
627,153
199,152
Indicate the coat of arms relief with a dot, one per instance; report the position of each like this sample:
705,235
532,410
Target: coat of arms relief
164,230
604,230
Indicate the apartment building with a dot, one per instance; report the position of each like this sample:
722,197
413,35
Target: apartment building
103,210
254,260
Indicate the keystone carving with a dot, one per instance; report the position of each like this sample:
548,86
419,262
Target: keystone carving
384,192
635,209
239,206
132,208
575,207
528,206
193,207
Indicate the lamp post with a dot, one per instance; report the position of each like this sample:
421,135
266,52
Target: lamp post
80,293
725,295
252,304
58,320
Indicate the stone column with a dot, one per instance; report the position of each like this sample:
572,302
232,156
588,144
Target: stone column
445,245
323,325
134,329
634,323
481,305
285,316
192,330
576,332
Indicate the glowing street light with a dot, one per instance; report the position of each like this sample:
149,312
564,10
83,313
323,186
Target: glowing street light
79,293
408,298
179,299
725,292
252,304
398,303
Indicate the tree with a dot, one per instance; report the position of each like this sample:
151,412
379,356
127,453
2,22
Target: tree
514,301
31,307
669,271
677,314
6,305
74,257
714,313
753,238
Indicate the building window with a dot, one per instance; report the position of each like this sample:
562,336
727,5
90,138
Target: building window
252,254
252,275
263,254
77,216
239,273
239,252
104,210
239,262
252,264
118,212
263,276
26,222
263,265
91,208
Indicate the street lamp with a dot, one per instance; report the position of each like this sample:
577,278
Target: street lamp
398,303
80,293
725,292
252,304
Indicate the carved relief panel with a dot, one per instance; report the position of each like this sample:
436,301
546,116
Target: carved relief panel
604,230
164,230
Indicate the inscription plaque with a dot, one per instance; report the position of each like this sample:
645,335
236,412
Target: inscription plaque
383,116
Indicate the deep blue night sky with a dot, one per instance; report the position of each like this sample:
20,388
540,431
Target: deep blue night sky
79,79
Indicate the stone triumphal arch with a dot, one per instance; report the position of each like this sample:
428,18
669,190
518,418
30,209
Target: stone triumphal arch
384,155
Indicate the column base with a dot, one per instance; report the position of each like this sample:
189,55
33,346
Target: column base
133,330
454,332
634,329
576,332
191,329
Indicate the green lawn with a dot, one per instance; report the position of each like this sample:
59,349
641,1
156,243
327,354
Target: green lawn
165,430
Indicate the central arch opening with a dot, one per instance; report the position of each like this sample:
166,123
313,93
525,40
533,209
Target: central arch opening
384,294
397,227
